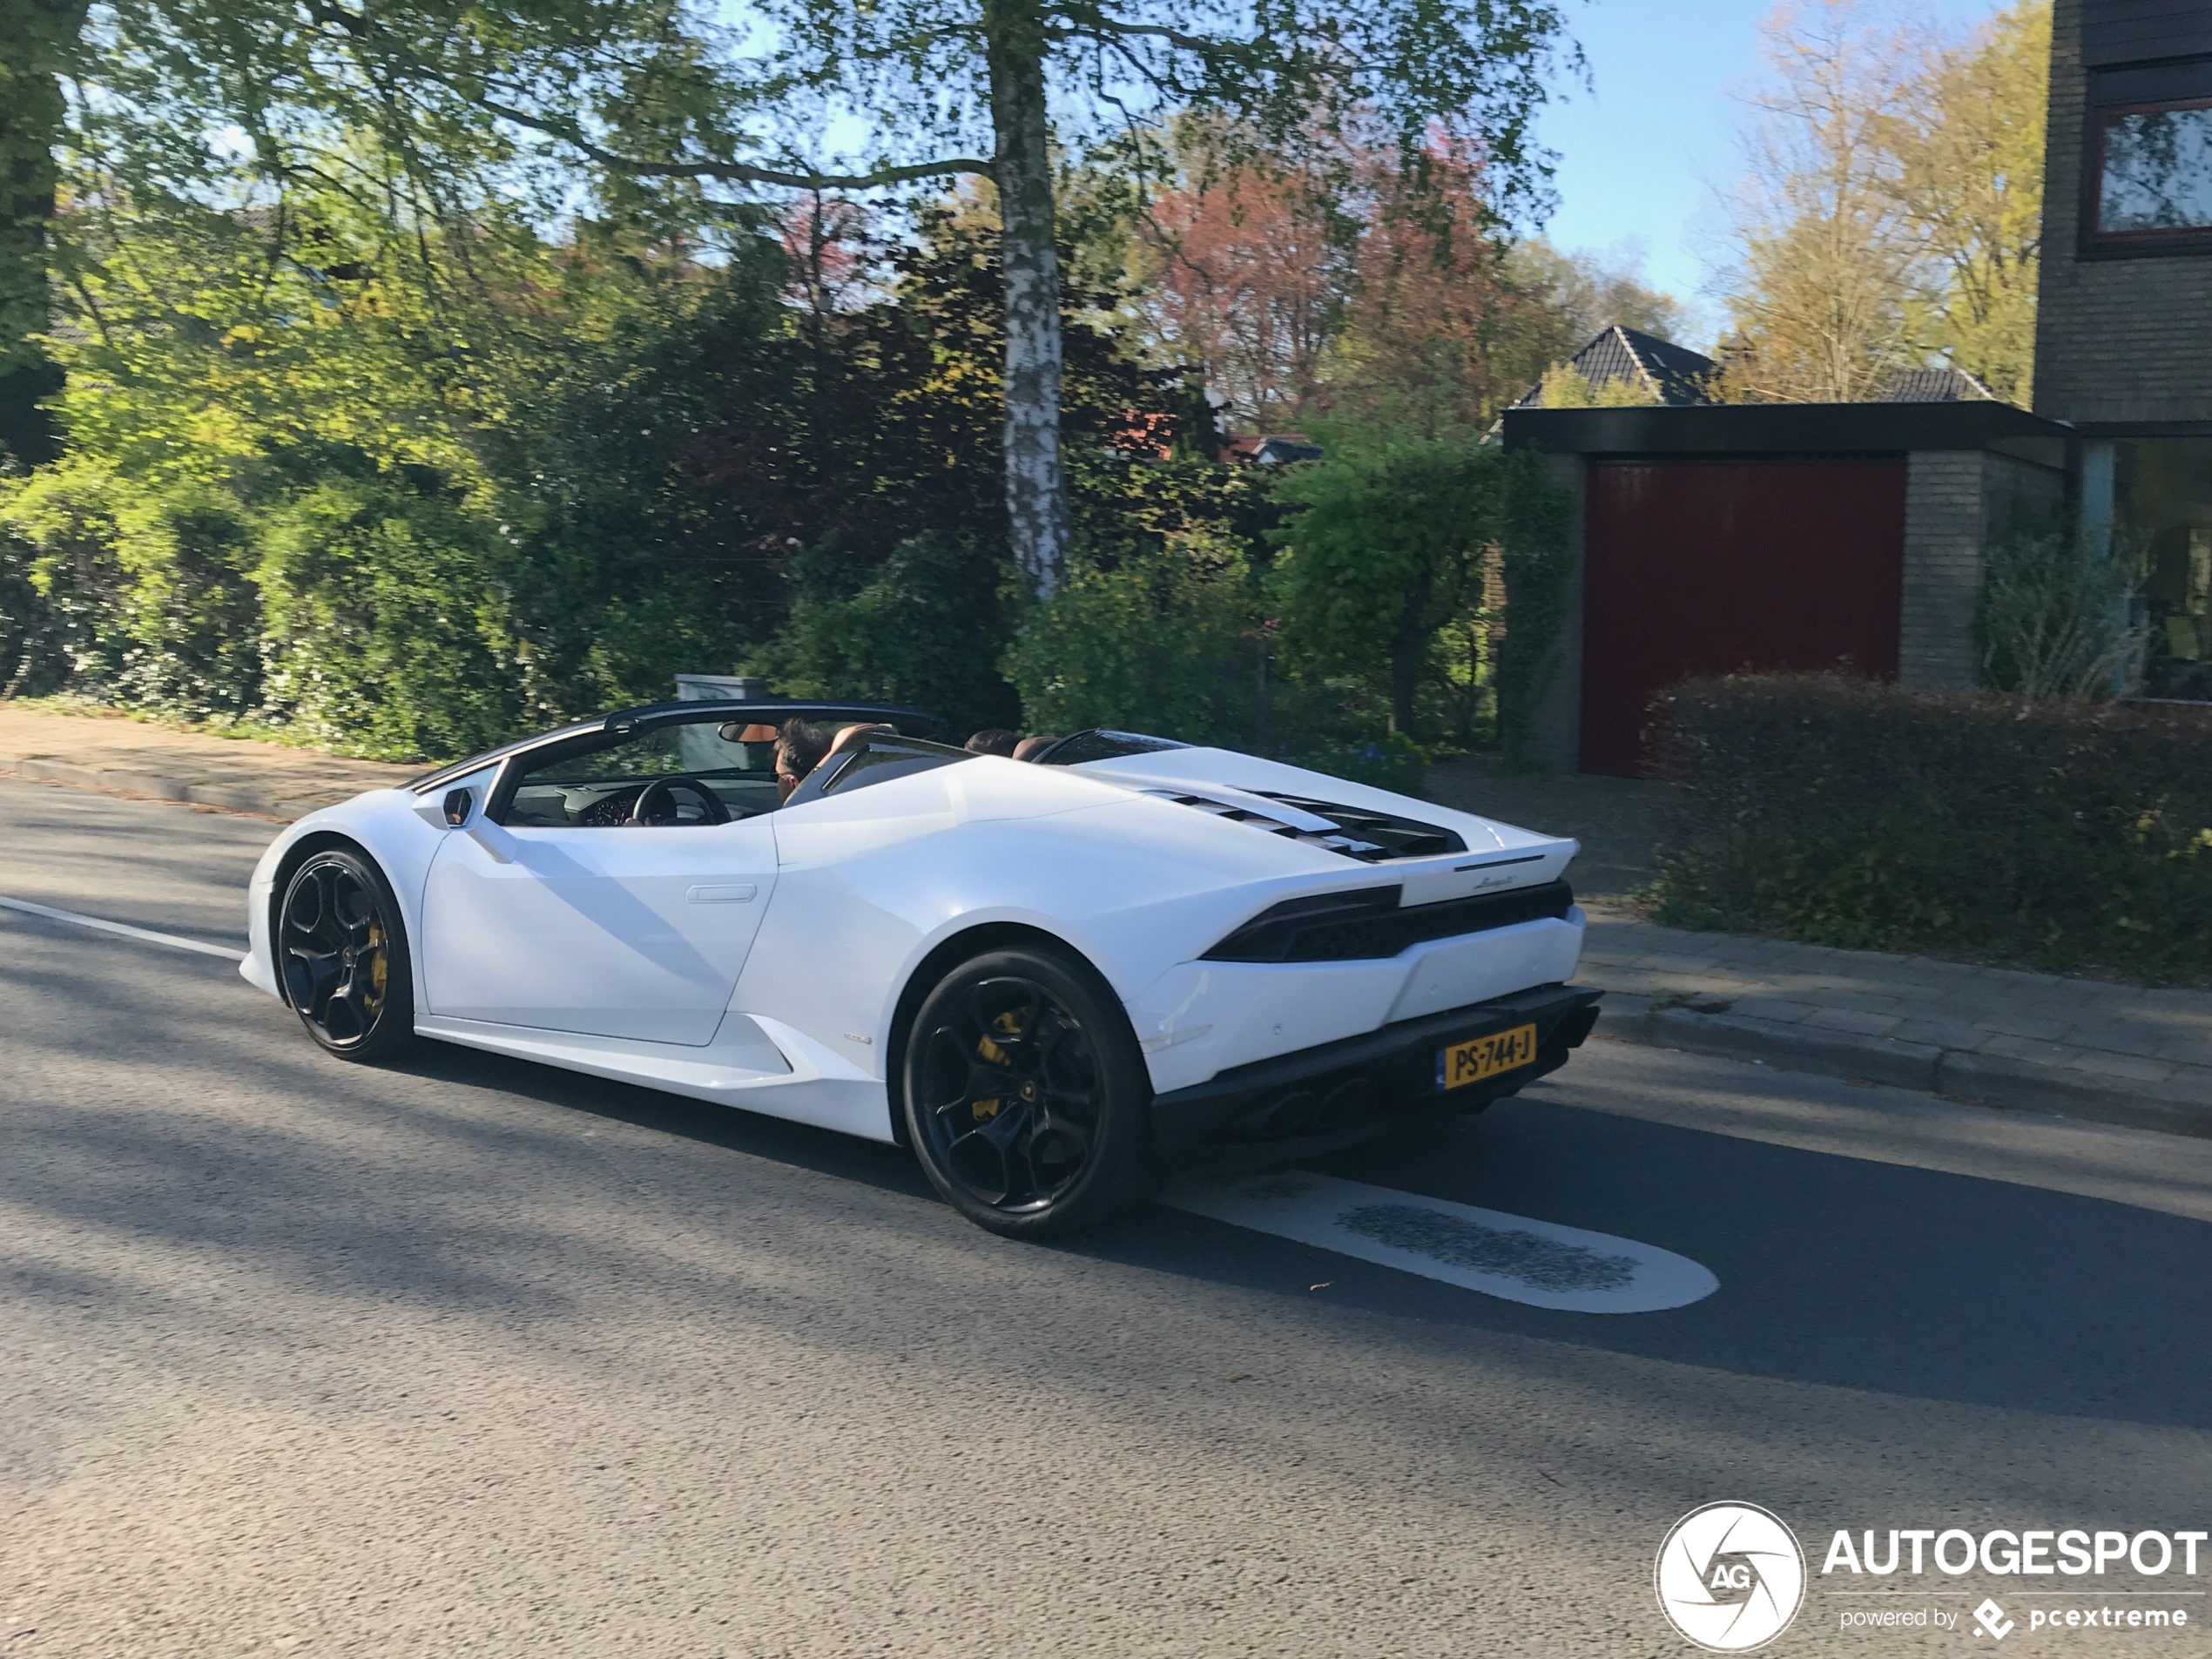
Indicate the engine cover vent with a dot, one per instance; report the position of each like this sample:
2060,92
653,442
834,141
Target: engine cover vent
1354,832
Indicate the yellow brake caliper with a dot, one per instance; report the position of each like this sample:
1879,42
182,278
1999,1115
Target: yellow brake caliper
1007,1025
379,968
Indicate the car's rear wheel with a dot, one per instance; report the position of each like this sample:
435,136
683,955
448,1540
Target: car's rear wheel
342,955
1026,1095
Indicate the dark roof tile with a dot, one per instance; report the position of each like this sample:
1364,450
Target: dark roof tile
1948,384
1676,373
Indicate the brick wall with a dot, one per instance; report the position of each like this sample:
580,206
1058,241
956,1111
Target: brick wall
1953,499
1945,497
2116,339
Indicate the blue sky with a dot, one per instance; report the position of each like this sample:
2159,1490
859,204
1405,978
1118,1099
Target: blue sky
1640,154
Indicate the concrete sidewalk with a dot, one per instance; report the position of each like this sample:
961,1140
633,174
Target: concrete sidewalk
2084,1048
2034,1042
128,757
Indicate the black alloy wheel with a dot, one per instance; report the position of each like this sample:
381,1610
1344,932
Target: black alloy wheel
343,957
1026,1095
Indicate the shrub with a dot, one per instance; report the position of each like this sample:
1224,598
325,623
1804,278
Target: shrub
2053,616
1166,642
1172,642
1392,760
924,627
34,659
383,632
1848,813
143,596
1537,568
1385,549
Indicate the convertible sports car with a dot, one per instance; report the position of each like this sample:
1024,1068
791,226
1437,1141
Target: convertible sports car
1053,979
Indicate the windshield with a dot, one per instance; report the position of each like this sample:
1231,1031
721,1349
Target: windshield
597,785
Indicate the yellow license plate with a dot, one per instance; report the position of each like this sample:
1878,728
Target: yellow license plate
1479,1058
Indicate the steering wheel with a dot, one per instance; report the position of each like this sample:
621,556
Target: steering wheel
659,797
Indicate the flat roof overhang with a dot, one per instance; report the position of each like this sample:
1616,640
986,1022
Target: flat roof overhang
1748,430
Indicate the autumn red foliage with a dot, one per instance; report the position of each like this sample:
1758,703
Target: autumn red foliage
1350,286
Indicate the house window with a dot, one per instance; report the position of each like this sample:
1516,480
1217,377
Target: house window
2165,500
2147,186
2154,171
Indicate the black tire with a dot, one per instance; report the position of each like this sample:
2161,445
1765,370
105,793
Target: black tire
342,957
1026,1095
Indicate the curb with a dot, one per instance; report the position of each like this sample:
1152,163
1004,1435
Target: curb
147,785
1956,1074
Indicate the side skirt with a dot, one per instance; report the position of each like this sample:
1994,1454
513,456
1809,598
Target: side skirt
758,1064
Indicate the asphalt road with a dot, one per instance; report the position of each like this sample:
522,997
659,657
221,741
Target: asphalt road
474,1357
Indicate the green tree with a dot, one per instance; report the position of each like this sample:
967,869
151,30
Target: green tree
406,109
1566,387
1565,299
414,110
1011,76
1970,184
1824,263
1386,546
387,631
294,432
269,507
36,37
1892,213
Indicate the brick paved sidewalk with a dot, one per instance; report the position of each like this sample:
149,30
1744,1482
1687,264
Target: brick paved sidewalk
138,757
2040,1042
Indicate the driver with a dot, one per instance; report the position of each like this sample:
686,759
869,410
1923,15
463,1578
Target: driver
854,734
800,747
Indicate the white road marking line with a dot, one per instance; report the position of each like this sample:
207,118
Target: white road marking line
125,928
1536,1262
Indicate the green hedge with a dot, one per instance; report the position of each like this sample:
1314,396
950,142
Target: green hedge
2052,832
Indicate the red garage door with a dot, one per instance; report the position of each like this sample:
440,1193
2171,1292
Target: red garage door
1707,567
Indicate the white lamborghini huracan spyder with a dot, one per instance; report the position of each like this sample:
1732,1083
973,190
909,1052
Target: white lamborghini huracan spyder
1053,979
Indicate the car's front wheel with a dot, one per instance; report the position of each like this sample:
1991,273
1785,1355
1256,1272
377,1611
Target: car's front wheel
1026,1095
342,953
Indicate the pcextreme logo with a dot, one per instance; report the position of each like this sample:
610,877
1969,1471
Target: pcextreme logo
1730,1577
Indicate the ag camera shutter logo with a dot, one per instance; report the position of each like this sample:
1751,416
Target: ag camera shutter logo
1730,1577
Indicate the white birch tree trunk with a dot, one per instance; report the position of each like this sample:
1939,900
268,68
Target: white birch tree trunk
1037,492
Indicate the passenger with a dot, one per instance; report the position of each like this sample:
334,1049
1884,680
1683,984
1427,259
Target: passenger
800,747
1030,748
993,740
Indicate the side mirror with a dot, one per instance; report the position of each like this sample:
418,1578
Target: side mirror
457,803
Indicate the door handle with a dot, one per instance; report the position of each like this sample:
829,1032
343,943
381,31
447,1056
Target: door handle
739,894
